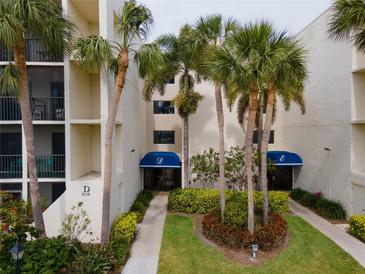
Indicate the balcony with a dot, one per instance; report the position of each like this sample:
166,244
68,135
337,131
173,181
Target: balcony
43,109
35,52
48,166
11,166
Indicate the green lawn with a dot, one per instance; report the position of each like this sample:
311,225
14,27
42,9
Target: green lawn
309,251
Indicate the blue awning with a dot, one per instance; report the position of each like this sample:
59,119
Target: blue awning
285,158
160,159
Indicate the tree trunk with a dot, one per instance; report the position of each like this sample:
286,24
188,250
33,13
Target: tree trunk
260,129
109,128
20,62
263,152
248,157
186,150
220,118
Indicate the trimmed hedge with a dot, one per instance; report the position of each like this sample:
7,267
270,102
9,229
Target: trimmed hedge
324,207
202,201
141,204
357,226
124,227
266,237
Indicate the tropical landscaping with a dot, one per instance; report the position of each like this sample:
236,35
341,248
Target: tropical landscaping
227,209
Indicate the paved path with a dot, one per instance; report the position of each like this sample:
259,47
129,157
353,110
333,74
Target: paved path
348,243
145,250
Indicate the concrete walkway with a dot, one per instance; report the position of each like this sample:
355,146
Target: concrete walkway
145,250
348,243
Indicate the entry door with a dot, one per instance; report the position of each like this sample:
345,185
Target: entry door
58,148
282,179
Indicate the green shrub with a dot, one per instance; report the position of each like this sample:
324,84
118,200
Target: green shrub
235,214
297,193
330,209
357,226
194,200
324,207
95,260
145,197
47,255
203,201
120,250
124,227
279,202
138,206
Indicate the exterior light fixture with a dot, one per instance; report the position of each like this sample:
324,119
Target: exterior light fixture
255,249
17,252
132,150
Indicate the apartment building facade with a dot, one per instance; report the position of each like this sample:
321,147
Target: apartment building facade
70,108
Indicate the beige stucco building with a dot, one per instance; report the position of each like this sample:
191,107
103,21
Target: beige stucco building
70,107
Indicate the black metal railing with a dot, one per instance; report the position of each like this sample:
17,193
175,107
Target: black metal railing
35,52
43,108
50,166
11,166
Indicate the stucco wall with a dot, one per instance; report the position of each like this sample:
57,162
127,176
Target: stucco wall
328,115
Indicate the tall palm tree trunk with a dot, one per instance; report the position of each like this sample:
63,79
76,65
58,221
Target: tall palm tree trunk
220,118
248,157
122,72
263,152
186,150
23,97
260,129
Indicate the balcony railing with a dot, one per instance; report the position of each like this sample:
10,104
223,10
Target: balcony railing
10,166
48,166
35,52
43,108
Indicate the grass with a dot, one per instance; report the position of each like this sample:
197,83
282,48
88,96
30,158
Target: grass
308,251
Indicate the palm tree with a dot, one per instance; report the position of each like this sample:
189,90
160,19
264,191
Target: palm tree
241,64
94,52
44,20
167,57
286,79
212,31
348,22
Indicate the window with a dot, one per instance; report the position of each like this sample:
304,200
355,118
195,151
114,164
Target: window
170,81
164,137
163,107
255,137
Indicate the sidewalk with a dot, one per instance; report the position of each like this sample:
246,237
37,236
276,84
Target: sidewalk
348,243
145,250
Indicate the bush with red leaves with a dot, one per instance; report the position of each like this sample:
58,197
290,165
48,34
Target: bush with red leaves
267,237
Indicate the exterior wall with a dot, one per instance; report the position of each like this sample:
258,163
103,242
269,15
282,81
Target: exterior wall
327,122
87,101
164,121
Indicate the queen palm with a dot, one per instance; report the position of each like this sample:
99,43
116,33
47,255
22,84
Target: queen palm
94,53
348,22
44,20
175,55
212,32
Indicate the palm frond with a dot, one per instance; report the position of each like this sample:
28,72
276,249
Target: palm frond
348,21
10,80
93,52
133,22
187,102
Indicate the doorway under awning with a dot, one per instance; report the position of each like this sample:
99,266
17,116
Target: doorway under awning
160,159
286,164
161,170
285,158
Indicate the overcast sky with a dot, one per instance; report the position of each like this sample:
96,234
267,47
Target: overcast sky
291,15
